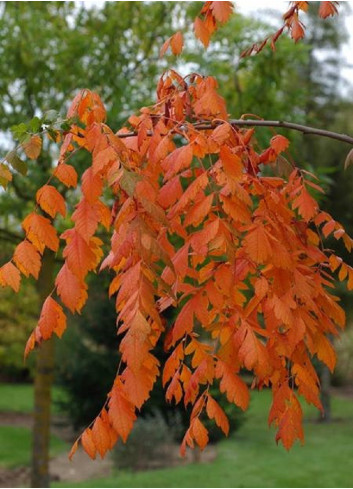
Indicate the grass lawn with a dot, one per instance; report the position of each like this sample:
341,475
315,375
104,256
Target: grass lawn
15,441
15,446
251,458
19,398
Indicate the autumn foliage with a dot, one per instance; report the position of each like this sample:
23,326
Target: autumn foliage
197,223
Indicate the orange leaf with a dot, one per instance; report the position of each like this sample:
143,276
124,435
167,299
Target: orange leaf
326,353
306,205
199,433
235,388
201,32
71,291
10,275
170,192
185,321
121,412
88,443
174,389
177,160
231,162
176,43
199,212
40,232
92,185
287,413
33,147
257,244
101,436
51,201
252,352
222,11
326,9
66,174
79,254
214,411
86,218
297,29
279,143
27,259
73,450
52,319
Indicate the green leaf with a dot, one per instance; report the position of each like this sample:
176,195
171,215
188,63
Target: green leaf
51,116
19,131
65,126
35,124
16,162
129,181
5,175
52,133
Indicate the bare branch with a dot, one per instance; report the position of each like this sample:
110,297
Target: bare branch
263,123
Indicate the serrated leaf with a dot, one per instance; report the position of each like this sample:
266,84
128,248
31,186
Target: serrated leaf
34,124
51,201
16,162
66,174
128,182
33,147
10,276
27,259
40,232
5,175
52,319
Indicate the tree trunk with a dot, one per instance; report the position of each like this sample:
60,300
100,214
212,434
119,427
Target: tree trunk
43,379
196,455
325,394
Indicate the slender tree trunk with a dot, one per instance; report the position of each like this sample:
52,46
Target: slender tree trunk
325,394
43,379
196,455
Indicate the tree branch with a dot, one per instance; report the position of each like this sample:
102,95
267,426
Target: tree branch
6,235
262,123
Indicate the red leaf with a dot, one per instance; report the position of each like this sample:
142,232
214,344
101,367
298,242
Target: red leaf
327,8
279,143
176,43
222,11
201,32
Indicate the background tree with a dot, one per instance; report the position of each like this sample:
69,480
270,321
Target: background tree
50,50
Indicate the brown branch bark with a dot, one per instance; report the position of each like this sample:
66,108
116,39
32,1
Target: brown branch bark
263,123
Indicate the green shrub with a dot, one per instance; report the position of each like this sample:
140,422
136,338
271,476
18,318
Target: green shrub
149,445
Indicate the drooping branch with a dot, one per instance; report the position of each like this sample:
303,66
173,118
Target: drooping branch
264,123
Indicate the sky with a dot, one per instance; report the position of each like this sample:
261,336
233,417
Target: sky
254,6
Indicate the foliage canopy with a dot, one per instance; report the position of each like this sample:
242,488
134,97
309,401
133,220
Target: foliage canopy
196,223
